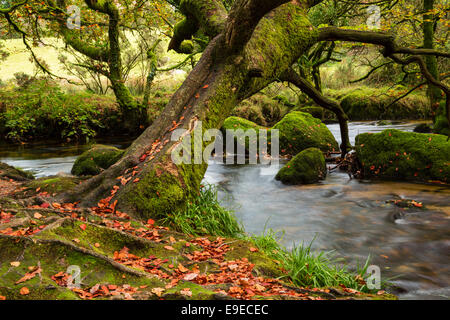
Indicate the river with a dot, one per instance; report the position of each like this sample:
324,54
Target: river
346,215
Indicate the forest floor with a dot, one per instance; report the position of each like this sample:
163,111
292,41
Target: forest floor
53,250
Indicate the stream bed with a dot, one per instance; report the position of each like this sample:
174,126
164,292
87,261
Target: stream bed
346,215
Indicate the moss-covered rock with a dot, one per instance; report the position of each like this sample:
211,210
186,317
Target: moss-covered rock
94,160
11,172
299,131
306,167
393,154
316,112
233,124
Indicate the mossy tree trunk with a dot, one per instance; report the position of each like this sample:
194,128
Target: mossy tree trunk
221,79
251,47
434,92
109,59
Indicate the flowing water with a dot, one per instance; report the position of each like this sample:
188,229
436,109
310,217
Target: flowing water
341,214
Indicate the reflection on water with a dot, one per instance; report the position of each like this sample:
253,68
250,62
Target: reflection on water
349,216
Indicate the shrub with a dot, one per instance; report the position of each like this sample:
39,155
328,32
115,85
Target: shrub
41,109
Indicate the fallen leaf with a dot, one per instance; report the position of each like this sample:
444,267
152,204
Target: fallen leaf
97,245
182,268
186,292
37,215
2,298
252,249
169,248
158,291
29,275
76,240
190,276
83,227
15,263
24,291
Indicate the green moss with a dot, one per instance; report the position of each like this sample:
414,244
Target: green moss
186,47
263,264
441,124
262,109
14,173
364,103
300,130
306,167
54,184
393,154
162,191
198,292
92,161
316,112
232,125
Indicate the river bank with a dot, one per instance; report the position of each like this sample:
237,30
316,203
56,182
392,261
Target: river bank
349,216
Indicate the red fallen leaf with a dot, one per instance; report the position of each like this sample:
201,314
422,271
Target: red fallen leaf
2,298
24,291
112,287
169,248
45,205
252,249
142,158
105,290
29,275
197,96
205,86
151,221
83,227
136,180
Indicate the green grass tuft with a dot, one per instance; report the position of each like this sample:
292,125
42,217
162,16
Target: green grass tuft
205,215
309,269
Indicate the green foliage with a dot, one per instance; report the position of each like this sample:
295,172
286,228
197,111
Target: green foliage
307,268
205,215
41,109
365,103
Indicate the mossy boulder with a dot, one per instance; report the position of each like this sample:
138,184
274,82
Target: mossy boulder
233,124
96,159
300,130
306,167
11,172
393,154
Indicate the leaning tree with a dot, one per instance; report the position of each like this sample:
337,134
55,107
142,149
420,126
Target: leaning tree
252,45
